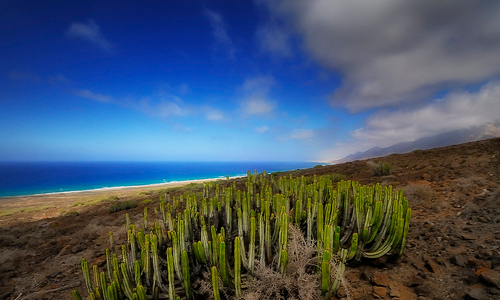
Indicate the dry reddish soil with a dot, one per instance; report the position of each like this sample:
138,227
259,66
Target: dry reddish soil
452,248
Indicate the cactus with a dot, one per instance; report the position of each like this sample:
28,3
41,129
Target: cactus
86,276
351,221
325,272
170,269
215,283
237,267
186,276
223,263
251,247
108,263
76,295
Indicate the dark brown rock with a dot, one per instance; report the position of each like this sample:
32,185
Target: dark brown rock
431,264
477,292
479,263
491,276
459,260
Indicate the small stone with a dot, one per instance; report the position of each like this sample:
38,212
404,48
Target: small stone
379,291
482,219
459,260
417,280
381,280
367,274
478,263
53,275
395,292
430,264
77,248
380,261
341,293
468,237
491,276
477,293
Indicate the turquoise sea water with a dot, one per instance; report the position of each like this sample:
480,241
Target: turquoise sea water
28,178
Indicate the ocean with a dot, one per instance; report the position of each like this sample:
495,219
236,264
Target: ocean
30,178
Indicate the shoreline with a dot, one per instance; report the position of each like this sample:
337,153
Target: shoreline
173,183
41,206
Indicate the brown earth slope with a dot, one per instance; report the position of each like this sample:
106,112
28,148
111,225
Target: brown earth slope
452,250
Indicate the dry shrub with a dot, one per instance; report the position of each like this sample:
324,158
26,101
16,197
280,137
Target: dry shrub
419,195
470,185
300,281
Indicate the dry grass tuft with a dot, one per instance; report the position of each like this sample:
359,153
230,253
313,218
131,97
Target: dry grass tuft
419,195
300,281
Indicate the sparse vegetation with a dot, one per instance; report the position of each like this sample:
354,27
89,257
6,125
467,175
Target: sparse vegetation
146,201
419,196
382,169
122,206
9,212
302,233
336,177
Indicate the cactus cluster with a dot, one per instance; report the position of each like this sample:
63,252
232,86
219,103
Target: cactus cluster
225,232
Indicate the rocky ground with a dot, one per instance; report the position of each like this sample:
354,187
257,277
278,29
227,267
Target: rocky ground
452,249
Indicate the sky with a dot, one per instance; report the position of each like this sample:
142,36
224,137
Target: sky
294,80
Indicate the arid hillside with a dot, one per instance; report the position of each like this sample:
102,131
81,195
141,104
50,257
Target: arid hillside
452,249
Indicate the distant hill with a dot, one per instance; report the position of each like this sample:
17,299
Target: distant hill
455,137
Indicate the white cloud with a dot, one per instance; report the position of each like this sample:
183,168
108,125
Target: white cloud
258,85
394,51
458,110
302,134
219,31
90,32
256,92
213,114
257,105
262,129
85,93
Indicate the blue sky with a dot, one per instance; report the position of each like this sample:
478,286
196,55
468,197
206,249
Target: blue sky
241,80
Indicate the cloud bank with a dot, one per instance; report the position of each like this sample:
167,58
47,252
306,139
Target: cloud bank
457,110
394,51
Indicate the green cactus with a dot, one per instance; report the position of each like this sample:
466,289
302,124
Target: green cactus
352,220
186,276
176,255
215,283
86,276
325,272
127,283
237,267
76,295
170,270
223,263
108,263
251,247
